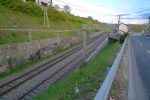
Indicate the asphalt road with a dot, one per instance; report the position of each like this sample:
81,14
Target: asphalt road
140,66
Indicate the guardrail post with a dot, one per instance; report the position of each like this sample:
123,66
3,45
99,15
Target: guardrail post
84,42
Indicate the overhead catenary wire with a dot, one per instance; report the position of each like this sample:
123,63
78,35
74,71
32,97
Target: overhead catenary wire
88,13
60,5
84,9
131,18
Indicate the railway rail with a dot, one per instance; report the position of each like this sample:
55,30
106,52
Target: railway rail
55,76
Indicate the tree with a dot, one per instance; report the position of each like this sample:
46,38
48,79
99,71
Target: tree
90,17
67,9
56,7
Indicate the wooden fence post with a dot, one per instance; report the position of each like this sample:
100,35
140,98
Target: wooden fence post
84,43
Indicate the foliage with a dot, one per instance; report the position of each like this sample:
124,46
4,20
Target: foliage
67,9
137,28
126,34
29,14
122,38
90,17
97,30
18,5
34,9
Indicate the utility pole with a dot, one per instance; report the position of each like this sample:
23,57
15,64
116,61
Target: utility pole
149,25
51,3
119,16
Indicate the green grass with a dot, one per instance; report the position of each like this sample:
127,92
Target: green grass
13,37
9,17
18,68
31,63
87,79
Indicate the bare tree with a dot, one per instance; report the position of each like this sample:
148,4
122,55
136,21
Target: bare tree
67,9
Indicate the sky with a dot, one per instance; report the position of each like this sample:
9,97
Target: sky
132,11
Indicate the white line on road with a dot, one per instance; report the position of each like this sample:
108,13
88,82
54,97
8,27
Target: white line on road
148,51
141,44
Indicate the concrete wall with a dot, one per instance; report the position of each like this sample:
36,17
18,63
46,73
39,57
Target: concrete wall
12,55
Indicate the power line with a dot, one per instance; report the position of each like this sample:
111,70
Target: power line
119,16
85,9
71,8
70,4
131,18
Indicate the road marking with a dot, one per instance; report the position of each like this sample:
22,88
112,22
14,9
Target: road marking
148,51
141,44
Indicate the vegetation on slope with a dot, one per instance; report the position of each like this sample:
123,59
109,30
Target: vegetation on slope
19,13
138,28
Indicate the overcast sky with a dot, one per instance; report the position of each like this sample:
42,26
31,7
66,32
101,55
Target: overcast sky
134,11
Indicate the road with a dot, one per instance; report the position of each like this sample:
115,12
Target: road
139,70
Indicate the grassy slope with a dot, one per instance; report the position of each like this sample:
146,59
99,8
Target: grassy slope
13,18
88,79
9,17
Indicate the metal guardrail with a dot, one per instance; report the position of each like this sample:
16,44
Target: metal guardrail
104,90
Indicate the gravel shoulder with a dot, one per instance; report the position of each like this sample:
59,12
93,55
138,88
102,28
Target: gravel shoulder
119,89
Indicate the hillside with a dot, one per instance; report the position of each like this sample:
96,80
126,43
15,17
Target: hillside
18,13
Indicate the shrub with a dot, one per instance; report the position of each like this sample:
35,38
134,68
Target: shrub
122,38
18,5
34,9
97,30
126,34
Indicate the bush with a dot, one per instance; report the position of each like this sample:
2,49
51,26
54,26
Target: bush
126,34
96,30
34,9
18,5
122,38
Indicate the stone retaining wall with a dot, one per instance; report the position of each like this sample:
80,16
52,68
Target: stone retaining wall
15,54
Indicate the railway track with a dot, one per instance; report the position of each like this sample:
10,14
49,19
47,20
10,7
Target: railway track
40,69
45,83
57,75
